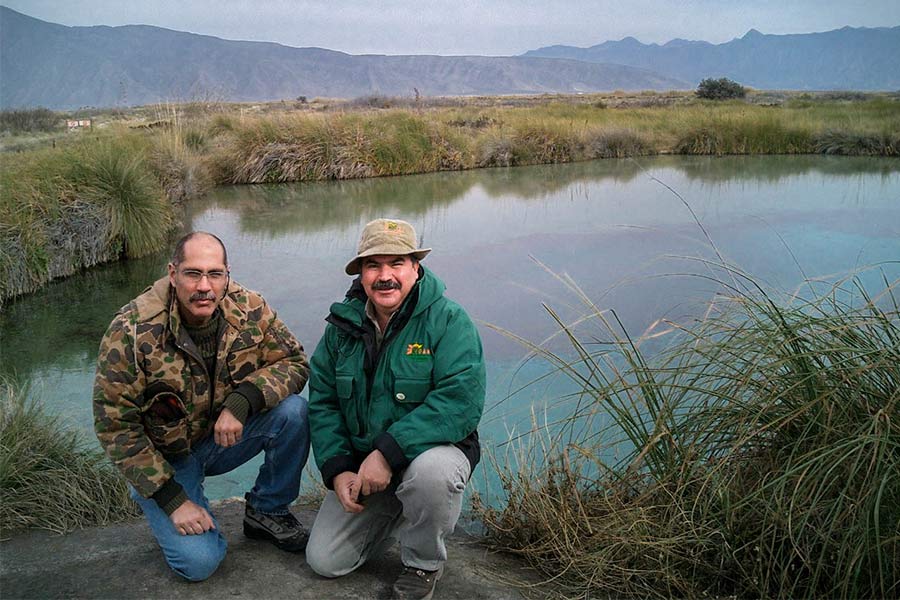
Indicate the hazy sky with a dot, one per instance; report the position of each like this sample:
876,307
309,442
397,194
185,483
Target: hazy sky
493,27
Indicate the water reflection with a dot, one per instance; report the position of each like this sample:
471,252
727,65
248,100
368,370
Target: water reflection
269,209
60,325
623,237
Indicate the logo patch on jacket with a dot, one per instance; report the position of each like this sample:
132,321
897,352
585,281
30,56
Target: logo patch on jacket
417,351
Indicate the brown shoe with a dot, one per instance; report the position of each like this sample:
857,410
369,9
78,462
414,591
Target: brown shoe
416,584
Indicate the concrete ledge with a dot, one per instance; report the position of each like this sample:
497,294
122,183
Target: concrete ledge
123,561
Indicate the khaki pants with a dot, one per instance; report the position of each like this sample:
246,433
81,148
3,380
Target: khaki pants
420,512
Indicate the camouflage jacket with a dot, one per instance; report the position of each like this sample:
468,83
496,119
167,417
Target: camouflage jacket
147,359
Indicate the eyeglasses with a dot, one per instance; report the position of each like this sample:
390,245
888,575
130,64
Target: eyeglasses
195,275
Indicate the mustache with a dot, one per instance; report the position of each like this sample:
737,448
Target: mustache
202,296
385,285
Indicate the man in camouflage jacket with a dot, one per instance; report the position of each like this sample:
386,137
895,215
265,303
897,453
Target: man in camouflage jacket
194,377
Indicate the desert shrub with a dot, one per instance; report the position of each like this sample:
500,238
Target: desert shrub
720,89
29,120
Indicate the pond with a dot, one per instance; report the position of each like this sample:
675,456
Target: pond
629,233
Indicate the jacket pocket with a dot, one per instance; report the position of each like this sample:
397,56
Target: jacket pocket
411,390
166,424
349,405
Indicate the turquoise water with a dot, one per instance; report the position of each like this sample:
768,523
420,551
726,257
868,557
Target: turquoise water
503,239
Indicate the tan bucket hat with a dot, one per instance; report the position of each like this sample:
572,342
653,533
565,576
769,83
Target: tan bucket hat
386,236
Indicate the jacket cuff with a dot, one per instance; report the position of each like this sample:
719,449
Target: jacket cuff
336,465
253,395
239,406
392,452
170,496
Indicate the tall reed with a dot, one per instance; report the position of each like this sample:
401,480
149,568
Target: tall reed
758,456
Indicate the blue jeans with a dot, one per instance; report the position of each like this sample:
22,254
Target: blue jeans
283,434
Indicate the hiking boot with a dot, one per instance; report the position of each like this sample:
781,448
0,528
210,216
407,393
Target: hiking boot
416,584
285,531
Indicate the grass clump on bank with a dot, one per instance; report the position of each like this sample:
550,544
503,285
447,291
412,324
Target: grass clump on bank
49,479
758,457
89,201
366,142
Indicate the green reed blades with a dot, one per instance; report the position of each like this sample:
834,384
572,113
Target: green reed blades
762,455
48,478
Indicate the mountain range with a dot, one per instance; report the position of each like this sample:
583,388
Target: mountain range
843,59
44,64
61,67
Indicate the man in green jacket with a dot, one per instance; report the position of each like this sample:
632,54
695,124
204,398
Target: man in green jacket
396,392
196,376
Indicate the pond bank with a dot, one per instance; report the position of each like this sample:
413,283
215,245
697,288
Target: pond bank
114,193
122,561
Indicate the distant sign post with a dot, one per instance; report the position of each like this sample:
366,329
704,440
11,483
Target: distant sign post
73,124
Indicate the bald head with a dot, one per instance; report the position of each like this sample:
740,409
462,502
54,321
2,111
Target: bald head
178,254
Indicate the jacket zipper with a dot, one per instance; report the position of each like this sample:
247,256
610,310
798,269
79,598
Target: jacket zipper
209,382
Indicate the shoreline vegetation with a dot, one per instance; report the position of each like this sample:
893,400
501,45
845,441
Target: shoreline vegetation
71,201
758,456
50,477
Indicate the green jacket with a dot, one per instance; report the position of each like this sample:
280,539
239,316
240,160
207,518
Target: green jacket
425,387
146,359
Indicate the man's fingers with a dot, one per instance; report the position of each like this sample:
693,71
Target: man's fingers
347,497
205,521
350,506
226,439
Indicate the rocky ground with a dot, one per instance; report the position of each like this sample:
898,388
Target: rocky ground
122,561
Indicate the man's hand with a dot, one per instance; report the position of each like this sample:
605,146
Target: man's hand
346,487
374,473
191,519
228,429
